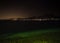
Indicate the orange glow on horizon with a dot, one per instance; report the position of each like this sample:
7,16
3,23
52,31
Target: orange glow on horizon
12,16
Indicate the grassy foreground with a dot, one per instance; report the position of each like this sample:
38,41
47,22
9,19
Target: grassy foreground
38,36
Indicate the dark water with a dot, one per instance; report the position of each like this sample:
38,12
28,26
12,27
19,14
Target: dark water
7,26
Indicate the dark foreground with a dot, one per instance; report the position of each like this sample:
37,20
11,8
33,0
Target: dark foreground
8,26
29,31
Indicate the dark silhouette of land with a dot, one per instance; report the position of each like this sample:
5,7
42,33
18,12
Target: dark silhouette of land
8,26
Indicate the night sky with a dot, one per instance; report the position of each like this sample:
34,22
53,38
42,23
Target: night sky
23,9
30,30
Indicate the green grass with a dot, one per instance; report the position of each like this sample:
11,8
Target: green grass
30,33
38,36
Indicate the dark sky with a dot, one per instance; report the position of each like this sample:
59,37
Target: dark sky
22,9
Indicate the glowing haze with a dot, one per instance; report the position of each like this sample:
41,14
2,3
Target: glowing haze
13,13
23,9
